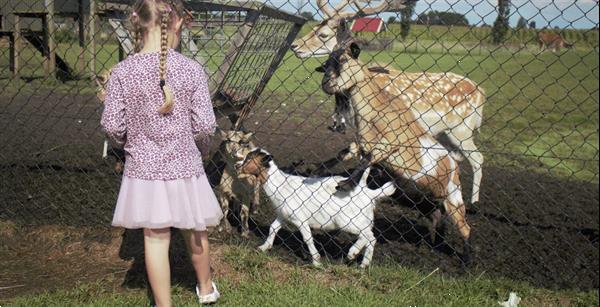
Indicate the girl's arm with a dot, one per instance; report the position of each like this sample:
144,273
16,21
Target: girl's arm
203,116
113,117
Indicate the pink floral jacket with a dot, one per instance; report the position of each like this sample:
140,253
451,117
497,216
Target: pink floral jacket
157,146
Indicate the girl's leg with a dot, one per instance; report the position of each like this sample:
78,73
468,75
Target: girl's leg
156,250
197,242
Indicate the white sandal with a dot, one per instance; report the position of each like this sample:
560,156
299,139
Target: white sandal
208,298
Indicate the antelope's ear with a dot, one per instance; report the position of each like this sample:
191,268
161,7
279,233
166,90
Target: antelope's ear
320,68
354,50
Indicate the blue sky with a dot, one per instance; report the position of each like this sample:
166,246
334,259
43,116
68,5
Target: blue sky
581,14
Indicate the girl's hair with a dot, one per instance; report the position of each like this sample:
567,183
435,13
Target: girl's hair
163,13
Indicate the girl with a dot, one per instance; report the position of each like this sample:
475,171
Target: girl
157,104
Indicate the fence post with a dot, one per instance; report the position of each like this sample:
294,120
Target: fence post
91,38
17,47
81,36
50,43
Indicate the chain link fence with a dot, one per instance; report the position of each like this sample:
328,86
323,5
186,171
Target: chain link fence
509,90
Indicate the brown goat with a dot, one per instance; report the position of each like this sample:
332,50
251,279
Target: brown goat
244,189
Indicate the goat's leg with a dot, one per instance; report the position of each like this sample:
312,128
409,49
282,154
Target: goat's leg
357,247
457,214
334,118
224,201
244,216
369,249
464,141
273,230
308,239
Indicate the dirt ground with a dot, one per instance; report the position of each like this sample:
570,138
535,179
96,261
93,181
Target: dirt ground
528,226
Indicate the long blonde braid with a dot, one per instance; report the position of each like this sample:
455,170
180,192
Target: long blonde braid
168,105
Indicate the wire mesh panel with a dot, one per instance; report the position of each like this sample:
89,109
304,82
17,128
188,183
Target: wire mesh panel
476,121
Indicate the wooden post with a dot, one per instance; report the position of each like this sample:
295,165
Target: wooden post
81,35
50,30
11,52
17,47
92,38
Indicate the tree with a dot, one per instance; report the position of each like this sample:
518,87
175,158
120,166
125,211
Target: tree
532,24
522,23
405,17
501,26
442,18
308,15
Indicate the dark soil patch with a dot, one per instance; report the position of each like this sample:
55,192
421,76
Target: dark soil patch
528,226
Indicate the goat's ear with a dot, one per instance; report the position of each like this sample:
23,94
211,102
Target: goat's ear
222,133
266,160
320,68
342,25
248,135
354,50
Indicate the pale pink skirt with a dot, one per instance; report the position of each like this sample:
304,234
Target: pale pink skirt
187,203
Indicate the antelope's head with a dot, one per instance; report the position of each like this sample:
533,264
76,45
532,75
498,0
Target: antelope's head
334,30
342,70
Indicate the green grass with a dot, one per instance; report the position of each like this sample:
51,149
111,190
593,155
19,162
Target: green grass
256,279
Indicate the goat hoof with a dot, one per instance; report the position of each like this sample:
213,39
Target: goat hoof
317,264
364,265
263,248
341,129
224,228
332,128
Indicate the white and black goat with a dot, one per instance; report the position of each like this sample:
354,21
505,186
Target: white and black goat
314,203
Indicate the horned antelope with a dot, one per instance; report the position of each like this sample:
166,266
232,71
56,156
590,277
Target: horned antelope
443,103
552,40
388,133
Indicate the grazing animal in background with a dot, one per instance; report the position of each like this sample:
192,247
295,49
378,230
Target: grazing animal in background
119,154
314,203
553,41
389,134
244,189
443,103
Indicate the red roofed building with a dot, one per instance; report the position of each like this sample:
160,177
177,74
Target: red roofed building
367,24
